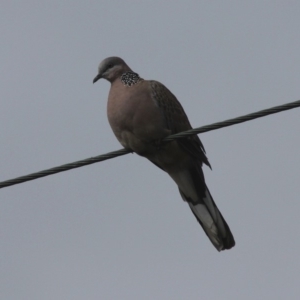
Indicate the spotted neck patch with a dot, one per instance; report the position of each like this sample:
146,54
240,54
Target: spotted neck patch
130,78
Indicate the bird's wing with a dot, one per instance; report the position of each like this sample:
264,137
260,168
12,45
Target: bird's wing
176,120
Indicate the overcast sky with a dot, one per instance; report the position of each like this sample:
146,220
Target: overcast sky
119,229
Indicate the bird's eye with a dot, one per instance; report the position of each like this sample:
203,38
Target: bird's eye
109,66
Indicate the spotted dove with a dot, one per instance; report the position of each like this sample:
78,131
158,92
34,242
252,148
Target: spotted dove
143,112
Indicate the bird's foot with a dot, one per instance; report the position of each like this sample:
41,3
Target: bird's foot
158,144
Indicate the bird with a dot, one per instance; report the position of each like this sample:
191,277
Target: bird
141,114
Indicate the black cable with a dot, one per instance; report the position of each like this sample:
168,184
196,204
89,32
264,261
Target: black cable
88,161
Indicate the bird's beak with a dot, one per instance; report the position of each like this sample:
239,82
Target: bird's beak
99,76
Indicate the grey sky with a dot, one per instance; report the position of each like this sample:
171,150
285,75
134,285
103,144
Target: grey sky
119,229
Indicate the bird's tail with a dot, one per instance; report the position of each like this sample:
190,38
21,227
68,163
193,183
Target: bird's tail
212,221
193,190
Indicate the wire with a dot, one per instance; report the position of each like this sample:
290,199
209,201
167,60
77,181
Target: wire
214,126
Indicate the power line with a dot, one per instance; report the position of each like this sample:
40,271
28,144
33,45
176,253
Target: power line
214,126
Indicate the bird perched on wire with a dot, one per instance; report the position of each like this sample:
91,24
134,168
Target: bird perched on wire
143,112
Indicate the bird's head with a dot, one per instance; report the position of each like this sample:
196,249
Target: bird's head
111,68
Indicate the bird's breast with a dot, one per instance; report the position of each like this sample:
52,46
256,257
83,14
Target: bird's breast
134,117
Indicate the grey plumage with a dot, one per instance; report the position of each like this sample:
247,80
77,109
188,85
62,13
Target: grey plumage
143,112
